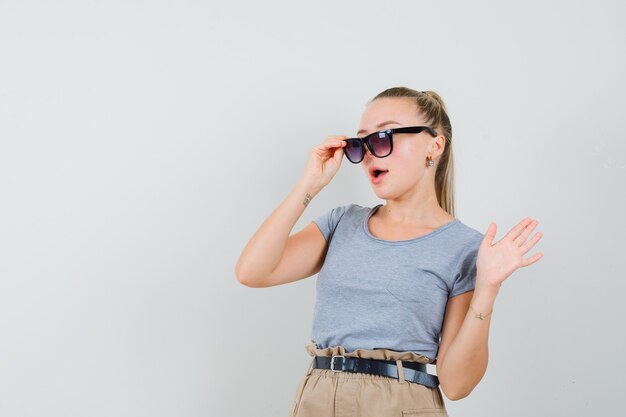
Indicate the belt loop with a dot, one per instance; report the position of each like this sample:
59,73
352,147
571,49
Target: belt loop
401,379
308,372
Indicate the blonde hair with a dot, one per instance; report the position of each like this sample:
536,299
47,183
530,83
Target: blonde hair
432,107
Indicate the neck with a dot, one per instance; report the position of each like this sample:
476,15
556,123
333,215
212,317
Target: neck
419,208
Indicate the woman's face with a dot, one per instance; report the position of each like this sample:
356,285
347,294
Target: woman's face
406,165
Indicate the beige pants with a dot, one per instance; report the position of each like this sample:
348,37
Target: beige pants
324,393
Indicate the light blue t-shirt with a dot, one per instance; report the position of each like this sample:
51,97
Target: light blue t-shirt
373,293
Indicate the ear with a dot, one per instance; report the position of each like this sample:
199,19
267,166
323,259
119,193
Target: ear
437,146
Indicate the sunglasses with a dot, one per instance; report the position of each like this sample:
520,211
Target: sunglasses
380,143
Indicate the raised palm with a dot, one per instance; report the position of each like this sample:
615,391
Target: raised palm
497,261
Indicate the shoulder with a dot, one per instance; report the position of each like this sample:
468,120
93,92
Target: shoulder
351,209
467,234
341,213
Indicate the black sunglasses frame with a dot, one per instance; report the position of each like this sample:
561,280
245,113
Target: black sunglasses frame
365,141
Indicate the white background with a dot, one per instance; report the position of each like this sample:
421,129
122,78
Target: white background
143,143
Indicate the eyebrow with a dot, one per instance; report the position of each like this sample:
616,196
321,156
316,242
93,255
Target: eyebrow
377,126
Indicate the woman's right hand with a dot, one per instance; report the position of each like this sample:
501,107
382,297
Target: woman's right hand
324,160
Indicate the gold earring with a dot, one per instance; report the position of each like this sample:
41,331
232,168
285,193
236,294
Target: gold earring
429,161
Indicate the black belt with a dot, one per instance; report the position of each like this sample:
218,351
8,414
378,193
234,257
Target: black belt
413,371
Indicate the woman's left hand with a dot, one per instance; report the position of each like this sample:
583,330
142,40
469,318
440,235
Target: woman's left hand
497,261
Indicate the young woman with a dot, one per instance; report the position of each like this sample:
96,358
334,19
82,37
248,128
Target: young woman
400,285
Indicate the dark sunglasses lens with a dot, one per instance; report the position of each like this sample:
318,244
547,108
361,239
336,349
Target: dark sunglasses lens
381,144
353,150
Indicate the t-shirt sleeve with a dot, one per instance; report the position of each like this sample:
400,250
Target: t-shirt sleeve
465,274
327,222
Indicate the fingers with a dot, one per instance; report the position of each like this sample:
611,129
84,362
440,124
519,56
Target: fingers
518,229
490,234
329,145
529,245
527,226
526,232
532,259
518,234
334,142
339,152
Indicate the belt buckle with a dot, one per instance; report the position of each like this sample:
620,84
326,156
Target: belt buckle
332,362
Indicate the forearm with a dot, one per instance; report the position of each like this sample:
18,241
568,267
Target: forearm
467,357
264,250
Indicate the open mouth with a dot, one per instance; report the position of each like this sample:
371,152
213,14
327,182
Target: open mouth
378,172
